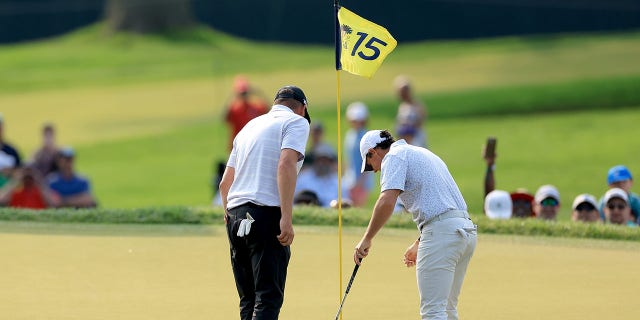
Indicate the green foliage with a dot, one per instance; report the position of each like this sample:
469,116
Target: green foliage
318,217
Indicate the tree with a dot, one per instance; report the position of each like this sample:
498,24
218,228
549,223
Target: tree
148,16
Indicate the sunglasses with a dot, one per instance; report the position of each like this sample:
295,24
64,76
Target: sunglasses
549,202
619,207
585,207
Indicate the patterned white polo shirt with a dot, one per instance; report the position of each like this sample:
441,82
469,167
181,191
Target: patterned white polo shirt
427,187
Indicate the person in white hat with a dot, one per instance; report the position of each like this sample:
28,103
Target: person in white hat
616,209
359,184
547,202
498,205
585,209
447,235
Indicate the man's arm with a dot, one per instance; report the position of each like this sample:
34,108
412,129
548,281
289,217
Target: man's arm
489,180
224,187
287,175
382,210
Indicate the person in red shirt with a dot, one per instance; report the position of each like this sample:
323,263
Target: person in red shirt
245,106
27,190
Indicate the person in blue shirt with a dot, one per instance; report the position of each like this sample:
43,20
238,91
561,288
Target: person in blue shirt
620,177
73,189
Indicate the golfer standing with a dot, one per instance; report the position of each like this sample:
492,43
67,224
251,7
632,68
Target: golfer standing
257,190
447,234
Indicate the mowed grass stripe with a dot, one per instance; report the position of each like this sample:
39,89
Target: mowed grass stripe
118,274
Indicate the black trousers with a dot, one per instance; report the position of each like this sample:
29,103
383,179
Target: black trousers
259,261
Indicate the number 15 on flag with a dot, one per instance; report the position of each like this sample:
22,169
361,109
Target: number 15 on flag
363,44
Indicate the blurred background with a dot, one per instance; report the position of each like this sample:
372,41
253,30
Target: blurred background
140,88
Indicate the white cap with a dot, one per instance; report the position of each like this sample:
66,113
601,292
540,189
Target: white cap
616,193
547,191
357,111
498,205
582,198
369,141
401,81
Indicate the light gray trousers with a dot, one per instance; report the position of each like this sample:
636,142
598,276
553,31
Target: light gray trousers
444,252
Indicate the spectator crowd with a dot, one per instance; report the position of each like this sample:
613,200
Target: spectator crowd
318,181
46,180
617,206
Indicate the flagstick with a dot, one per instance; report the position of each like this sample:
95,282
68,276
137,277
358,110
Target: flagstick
338,48
339,186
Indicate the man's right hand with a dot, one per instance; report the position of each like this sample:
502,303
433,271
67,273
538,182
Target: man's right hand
286,232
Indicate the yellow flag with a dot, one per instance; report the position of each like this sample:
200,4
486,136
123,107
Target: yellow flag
364,44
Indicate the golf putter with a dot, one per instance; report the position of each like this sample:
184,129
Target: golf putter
353,276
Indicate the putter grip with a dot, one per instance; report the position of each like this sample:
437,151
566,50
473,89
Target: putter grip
353,276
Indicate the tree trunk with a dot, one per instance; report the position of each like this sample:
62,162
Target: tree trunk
148,16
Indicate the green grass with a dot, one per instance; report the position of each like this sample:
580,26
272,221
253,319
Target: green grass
313,216
144,112
90,271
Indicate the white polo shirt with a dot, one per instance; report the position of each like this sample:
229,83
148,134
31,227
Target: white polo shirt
427,188
256,152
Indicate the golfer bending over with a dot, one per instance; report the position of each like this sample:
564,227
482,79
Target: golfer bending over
257,193
447,234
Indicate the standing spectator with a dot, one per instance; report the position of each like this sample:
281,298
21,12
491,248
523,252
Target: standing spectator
245,106
547,202
359,184
584,209
322,177
44,159
620,177
73,189
616,209
257,188
411,112
9,157
27,189
447,235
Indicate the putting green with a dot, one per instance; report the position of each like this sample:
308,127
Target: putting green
79,271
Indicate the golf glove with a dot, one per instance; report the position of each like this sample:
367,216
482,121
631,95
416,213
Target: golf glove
245,226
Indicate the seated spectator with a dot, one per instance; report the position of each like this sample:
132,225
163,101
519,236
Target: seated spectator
44,159
616,209
522,204
547,202
498,205
316,140
585,209
9,157
306,197
620,177
74,190
26,189
322,177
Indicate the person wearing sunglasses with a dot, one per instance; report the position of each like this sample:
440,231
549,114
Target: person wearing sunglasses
620,177
616,209
546,202
585,209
